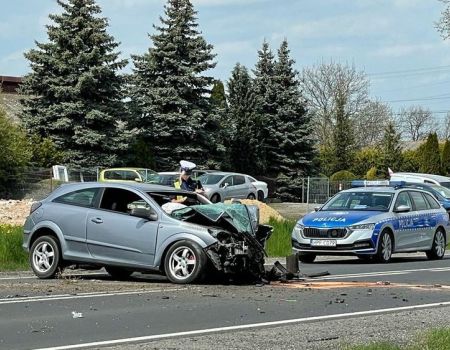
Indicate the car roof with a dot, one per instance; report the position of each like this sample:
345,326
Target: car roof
107,169
169,173
125,185
387,189
438,178
225,173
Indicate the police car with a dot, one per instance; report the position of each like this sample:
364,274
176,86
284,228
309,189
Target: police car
374,220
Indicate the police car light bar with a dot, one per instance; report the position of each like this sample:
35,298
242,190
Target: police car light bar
377,183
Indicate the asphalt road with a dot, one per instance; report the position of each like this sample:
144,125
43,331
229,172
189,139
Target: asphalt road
90,310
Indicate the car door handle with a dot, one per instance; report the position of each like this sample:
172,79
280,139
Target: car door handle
97,220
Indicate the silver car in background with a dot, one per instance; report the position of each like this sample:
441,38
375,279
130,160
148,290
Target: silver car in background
220,186
126,227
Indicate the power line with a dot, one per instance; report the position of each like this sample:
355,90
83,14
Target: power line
408,71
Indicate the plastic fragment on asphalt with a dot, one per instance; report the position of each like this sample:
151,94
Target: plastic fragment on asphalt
77,314
383,283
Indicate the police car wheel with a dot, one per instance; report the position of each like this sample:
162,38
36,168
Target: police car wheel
384,252
438,248
306,257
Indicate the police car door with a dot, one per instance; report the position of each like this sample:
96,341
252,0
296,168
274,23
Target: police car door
421,221
428,220
405,223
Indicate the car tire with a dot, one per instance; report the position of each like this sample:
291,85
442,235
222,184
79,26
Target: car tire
215,198
385,248
251,196
261,196
307,257
185,262
45,257
437,251
118,272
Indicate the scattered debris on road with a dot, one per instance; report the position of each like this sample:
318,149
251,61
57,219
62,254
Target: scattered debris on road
77,314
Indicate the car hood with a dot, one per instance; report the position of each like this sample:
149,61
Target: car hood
337,218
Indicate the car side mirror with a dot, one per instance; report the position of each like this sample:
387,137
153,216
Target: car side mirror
144,213
317,208
225,185
403,209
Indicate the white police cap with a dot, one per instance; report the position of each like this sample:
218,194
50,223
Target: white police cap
187,166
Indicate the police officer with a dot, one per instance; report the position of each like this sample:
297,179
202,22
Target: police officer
186,182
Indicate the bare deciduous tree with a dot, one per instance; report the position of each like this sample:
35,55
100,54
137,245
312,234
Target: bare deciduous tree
444,128
325,87
371,123
416,122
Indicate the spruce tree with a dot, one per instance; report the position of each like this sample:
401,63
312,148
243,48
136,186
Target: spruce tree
430,156
446,158
245,146
218,98
391,150
266,95
291,128
169,91
75,88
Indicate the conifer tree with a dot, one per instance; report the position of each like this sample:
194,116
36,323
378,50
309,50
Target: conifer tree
446,158
244,123
169,101
391,150
75,88
218,98
266,95
430,156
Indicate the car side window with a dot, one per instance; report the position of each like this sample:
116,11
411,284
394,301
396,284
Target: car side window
252,179
403,199
130,175
432,201
419,201
113,175
228,180
238,180
82,198
122,201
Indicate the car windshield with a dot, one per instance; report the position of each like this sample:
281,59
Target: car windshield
443,191
445,184
149,176
379,201
210,179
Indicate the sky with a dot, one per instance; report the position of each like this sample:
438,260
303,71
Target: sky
395,42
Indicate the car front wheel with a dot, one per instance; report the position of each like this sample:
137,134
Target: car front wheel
438,248
185,262
215,198
251,196
45,257
384,252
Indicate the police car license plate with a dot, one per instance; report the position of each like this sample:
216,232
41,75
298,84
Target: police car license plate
323,242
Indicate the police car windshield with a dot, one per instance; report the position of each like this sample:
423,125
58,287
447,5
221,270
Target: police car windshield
377,201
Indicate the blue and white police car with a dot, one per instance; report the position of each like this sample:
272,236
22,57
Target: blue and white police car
374,220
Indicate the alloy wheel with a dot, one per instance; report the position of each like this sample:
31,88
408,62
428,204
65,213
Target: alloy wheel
439,243
182,263
386,247
43,257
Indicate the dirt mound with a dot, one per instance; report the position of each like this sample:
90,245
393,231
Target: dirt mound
265,212
14,212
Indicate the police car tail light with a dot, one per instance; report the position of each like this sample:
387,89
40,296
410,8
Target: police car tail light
363,227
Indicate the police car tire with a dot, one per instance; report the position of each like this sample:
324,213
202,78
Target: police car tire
380,254
306,257
433,254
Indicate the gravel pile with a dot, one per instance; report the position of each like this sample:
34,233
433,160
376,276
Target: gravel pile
265,212
14,212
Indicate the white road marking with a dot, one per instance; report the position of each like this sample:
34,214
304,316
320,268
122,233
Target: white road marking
381,273
84,295
243,327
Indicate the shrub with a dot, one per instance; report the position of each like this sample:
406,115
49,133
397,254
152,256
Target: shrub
12,255
343,175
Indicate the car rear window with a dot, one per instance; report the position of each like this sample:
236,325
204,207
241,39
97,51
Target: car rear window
83,198
419,201
431,201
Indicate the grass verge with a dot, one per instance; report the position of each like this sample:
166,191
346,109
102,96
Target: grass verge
12,256
437,339
279,244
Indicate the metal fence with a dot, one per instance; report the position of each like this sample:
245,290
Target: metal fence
37,183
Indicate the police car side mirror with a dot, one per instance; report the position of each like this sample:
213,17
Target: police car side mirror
403,209
317,208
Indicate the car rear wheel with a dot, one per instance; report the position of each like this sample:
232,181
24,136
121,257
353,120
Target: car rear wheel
185,262
306,257
438,248
384,252
261,196
215,198
251,196
118,273
45,257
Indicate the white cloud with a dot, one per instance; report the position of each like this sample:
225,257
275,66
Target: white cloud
343,26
